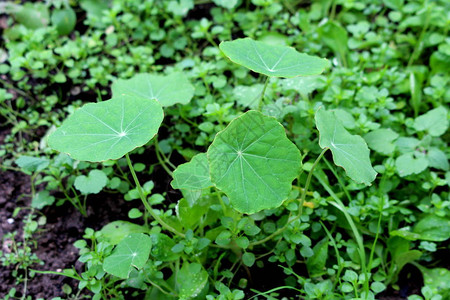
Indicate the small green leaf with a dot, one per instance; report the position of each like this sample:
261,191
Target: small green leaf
316,263
132,252
191,279
193,175
304,85
408,164
91,184
377,287
349,151
248,96
32,164
229,4
64,20
433,228
168,90
273,61
134,213
248,259
42,199
116,231
91,134
254,162
437,159
435,122
162,244
381,140
32,15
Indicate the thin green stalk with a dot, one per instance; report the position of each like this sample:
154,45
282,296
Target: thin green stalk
340,206
333,170
262,94
160,159
146,204
308,181
419,44
336,250
372,251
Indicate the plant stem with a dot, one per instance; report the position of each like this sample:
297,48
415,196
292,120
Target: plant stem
308,181
146,204
262,93
160,159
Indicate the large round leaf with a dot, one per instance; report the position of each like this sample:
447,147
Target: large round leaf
349,151
168,90
254,162
109,129
270,60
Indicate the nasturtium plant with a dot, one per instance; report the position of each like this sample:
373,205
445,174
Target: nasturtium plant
191,280
253,162
411,163
193,175
435,122
109,129
270,60
382,140
116,231
91,184
168,90
349,151
132,252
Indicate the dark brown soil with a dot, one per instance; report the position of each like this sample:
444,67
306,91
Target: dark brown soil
55,239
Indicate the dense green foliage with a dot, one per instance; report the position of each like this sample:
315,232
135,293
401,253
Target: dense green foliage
243,128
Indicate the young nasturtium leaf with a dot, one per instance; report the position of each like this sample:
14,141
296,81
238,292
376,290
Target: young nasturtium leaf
116,231
64,20
168,90
349,151
91,184
193,175
411,163
253,162
435,121
381,140
273,61
191,279
109,129
132,252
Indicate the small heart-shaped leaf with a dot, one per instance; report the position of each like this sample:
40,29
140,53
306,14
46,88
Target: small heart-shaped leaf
91,184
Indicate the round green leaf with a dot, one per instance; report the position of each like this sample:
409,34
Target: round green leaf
435,122
91,184
254,162
109,129
408,163
193,175
191,279
64,20
349,151
132,252
168,90
381,140
114,232
248,259
273,61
